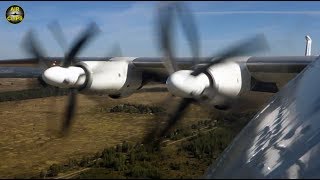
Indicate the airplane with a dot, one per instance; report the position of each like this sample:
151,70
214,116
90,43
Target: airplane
281,141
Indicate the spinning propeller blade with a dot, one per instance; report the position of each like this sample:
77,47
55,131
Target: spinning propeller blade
33,47
255,44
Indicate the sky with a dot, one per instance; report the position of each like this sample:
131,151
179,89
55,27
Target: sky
131,24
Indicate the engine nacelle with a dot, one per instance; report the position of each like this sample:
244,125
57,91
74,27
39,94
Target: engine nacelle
117,78
229,78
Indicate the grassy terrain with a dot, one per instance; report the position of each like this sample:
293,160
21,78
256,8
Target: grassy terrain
176,159
29,145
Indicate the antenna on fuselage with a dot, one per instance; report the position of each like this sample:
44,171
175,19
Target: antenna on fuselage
308,46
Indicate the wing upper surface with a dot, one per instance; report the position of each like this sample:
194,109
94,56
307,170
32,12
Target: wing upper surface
283,139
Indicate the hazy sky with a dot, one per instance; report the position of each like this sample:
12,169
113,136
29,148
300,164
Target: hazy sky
131,24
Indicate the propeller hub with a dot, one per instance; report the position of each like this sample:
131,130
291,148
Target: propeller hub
183,84
71,77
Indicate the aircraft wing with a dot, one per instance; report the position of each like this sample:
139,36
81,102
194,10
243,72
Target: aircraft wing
283,139
154,70
279,70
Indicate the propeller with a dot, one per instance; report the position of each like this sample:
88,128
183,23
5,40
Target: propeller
165,13
69,58
92,29
165,28
58,34
33,47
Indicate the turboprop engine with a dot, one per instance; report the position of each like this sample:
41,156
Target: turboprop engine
116,77
229,79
